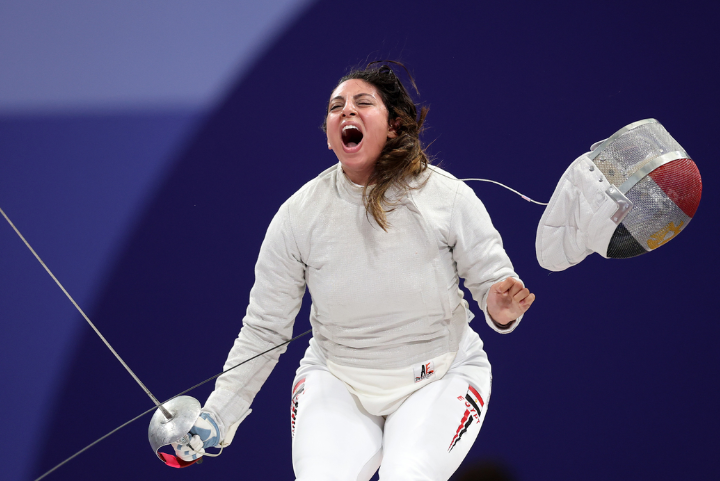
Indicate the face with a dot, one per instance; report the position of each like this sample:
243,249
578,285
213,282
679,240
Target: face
357,128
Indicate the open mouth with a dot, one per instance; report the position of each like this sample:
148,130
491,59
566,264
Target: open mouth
351,136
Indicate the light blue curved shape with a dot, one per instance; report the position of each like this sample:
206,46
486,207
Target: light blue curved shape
89,55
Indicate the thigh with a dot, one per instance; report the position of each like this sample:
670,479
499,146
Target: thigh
431,433
334,438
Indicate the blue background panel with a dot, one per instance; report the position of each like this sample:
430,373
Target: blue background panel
609,376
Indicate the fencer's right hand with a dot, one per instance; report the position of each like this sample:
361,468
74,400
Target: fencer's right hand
204,434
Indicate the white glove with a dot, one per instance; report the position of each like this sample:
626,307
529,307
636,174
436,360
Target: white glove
204,434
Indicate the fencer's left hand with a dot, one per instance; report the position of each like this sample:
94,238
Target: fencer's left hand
508,300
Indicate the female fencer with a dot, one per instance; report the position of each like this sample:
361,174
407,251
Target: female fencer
394,376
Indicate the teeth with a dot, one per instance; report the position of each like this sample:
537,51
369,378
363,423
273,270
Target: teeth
349,127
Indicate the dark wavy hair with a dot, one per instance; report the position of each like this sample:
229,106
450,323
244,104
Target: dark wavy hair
403,158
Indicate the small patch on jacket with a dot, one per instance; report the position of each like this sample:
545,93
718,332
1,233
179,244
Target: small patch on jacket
424,371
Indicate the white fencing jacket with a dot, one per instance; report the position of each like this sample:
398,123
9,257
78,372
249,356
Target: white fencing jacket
380,300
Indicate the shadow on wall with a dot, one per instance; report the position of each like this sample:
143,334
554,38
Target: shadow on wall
486,470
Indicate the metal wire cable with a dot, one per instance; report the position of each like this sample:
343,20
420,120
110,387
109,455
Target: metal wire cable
510,189
177,395
436,171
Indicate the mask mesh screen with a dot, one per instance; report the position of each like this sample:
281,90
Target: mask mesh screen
680,180
664,201
623,245
655,218
626,154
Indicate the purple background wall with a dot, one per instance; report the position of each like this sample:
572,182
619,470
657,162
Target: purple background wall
153,219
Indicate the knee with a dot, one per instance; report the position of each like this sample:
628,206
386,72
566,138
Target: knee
335,469
320,474
405,473
412,469
316,477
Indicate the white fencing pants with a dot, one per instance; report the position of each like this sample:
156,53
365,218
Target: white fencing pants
426,438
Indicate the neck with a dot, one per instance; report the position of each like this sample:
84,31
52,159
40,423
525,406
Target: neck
359,178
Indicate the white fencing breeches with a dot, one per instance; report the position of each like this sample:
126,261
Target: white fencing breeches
426,438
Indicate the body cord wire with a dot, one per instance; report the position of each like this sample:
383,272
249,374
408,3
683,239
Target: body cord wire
436,171
158,405
510,189
177,395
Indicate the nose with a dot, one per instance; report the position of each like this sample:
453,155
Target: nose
349,110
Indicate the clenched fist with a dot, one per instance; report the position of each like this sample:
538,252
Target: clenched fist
508,300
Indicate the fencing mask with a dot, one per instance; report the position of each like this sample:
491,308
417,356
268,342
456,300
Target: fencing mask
631,194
